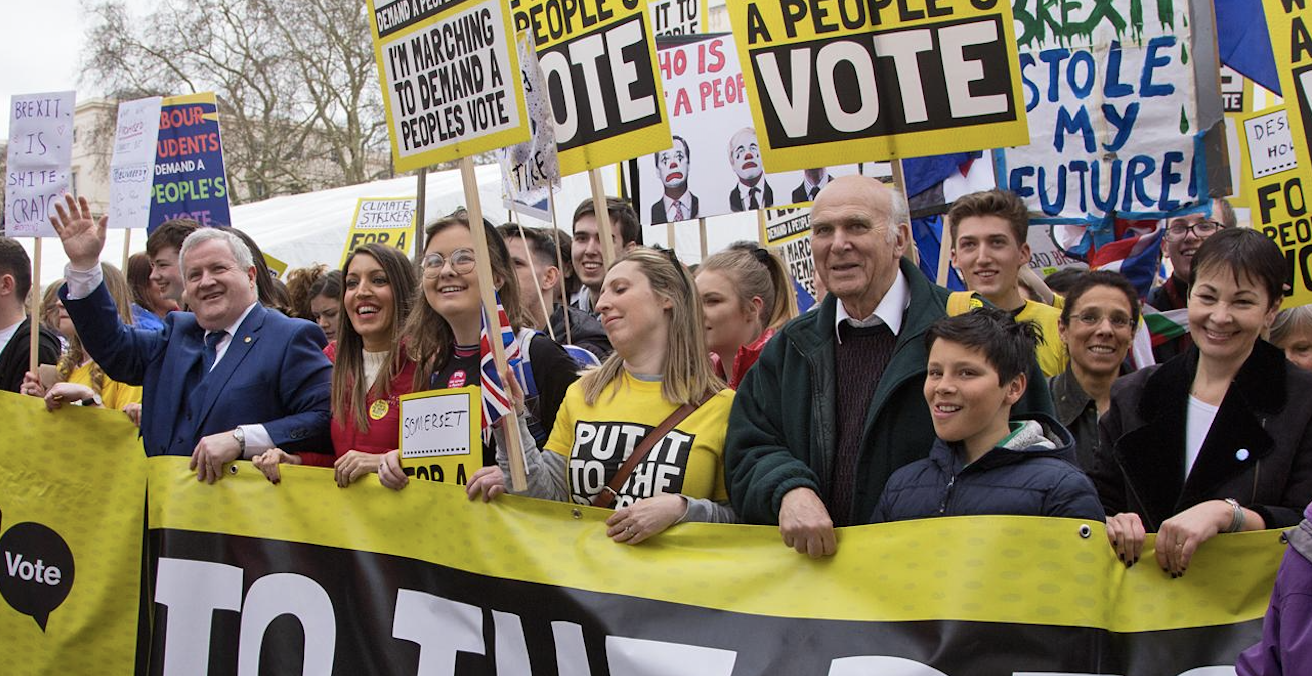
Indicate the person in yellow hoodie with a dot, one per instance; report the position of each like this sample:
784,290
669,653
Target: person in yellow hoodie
81,380
988,231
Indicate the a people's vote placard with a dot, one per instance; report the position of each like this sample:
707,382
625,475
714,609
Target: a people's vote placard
440,434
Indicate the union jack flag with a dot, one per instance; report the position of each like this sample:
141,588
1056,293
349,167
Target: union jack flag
496,401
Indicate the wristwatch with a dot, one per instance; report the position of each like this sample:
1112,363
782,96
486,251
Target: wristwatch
240,436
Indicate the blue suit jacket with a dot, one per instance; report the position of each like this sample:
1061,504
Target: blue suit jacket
274,373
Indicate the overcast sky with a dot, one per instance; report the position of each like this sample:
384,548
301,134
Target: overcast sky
40,45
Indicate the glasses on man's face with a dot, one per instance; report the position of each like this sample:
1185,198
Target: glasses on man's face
462,262
1200,229
1118,321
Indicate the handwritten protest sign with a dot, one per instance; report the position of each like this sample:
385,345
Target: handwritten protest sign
440,434
1109,89
715,165
599,60
39,162
677,17
872,81
1276,182
132,167
1291,43
530,170
190,181
448,70
381,220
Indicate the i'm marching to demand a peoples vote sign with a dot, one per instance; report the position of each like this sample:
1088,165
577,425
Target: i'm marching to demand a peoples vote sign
450,77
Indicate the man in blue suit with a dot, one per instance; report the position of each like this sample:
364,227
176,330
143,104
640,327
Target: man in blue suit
228,380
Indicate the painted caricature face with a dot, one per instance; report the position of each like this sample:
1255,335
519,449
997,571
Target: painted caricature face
673,165
745,156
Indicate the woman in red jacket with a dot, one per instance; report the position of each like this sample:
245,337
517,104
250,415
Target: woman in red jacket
746,295
371,369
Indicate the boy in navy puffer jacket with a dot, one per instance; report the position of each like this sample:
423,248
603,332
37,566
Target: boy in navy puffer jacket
983,462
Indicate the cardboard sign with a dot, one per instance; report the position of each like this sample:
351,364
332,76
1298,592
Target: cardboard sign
440,434
839,83
1291,42
449,70
132,167
677,17
715,164
39,163
384,220
1277,186
599,61
1109,89
530,170
190,181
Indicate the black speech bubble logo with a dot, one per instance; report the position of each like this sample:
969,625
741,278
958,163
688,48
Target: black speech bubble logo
36,574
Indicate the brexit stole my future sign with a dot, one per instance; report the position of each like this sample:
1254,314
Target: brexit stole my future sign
1111,99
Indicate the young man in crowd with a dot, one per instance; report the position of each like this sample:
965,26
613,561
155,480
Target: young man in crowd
989,230
540,291
835,404
1184,234
162,246
15,325
589,264
984,461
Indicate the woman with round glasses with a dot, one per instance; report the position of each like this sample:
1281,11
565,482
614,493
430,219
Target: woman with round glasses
1097,325
442,333
1217,439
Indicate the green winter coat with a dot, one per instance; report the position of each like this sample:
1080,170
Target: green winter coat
782,430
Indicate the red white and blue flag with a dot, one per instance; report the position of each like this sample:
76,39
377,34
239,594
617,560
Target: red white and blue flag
496,401
1138,257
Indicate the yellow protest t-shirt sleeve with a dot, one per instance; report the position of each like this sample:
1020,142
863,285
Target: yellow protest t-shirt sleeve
116,395
597,439
1051,351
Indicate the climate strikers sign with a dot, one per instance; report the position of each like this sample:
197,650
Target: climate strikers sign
450,78
841,82
599,60
1276,183
381,220
1109,87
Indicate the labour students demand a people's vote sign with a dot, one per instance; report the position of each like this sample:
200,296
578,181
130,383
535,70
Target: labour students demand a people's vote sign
190,181
1110,91
599,59
450,78
838,83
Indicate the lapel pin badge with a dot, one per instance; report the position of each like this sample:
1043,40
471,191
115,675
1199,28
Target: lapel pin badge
1241,454
248,339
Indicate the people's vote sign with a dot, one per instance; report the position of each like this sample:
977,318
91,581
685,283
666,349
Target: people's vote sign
450,77
1109,88
599,61
1276,182
190,181
132,166
845,82
1291,42
40,156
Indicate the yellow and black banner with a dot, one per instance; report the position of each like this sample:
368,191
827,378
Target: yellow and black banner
835,82
306,577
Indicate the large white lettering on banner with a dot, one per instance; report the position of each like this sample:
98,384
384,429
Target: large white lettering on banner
1110,95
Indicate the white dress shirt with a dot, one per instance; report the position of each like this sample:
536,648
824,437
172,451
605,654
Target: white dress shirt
889,311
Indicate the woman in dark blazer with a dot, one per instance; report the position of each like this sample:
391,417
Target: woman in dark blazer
1217,439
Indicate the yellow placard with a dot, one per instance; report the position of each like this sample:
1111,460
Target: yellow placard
599,61
440,434
381,220
277,267
1291,43
450,78
678,17
833,82
1276,184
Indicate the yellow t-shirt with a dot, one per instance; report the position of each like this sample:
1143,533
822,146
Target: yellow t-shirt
114,394
596,440
1051,353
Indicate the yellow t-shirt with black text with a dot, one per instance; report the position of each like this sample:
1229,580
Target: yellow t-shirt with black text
597,439
1051,353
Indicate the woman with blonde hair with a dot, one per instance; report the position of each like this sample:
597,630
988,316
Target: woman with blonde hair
746,295
81,380
644,432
